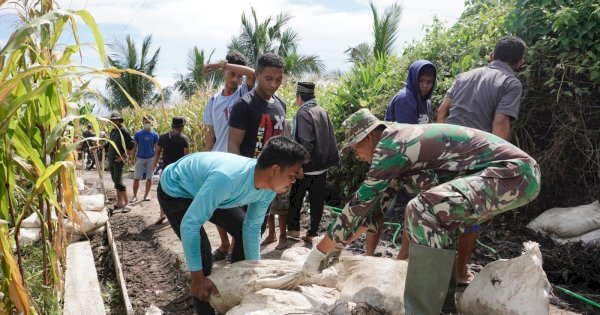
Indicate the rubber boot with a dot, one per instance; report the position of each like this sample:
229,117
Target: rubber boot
427,279
450,302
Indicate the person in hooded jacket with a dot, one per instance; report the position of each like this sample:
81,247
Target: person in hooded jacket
411,105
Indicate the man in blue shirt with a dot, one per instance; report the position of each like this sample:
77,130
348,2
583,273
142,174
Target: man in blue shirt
145,141
212,186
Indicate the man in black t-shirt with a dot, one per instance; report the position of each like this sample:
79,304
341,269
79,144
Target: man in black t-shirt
258,115
173,145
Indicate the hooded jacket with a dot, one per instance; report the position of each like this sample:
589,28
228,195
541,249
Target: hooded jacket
406,106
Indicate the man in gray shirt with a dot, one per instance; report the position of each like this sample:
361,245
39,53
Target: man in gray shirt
486,98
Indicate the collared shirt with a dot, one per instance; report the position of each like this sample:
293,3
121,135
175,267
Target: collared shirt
478,95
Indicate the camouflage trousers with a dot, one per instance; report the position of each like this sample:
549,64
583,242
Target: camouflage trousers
437,216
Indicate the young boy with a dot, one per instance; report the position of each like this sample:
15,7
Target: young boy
411,105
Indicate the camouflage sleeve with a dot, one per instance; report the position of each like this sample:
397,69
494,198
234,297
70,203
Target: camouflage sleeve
373,195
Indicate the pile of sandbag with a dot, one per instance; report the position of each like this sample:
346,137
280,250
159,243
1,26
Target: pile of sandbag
93,217
30,231
371,285
574,224
275,286
515,286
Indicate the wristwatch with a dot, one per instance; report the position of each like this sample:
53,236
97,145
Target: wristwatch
222,64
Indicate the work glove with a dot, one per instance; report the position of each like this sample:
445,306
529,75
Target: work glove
313,262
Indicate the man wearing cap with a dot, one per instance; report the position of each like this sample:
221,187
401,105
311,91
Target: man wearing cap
461,176
313,130
117,156
173,144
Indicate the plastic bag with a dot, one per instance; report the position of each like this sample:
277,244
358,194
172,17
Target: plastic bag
92,202
591,238
276,302
568,222
375,281
515,286
237,280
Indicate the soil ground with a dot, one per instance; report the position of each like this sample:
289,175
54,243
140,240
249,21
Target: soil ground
154,265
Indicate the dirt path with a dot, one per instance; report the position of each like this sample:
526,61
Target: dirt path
152,255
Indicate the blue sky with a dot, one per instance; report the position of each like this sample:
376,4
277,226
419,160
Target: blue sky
326,28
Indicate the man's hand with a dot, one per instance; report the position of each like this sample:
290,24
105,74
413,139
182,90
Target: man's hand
313,261
202,287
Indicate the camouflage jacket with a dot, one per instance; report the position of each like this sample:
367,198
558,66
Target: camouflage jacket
423,156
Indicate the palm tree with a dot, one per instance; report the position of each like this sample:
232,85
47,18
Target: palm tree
385,32
271,35
125,55
188,84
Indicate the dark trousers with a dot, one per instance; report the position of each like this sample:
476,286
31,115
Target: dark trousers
315,185
116,174
229,219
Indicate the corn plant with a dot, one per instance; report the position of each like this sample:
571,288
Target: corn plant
40,85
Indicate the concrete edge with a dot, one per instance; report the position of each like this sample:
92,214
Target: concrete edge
119,270
82,289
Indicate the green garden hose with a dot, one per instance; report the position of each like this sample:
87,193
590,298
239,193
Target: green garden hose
577,296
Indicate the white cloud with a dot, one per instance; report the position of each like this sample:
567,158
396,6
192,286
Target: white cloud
178,25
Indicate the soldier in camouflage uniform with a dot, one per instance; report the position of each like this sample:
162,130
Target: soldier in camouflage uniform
461,176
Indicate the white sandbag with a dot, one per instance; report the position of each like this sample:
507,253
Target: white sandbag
295,254
327,278
321,298
275,302
91,202
29,235
90,220
237,280
80,184
568,222
33,221
375,281
515,286
591,238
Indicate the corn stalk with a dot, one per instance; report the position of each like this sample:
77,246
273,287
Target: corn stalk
40,85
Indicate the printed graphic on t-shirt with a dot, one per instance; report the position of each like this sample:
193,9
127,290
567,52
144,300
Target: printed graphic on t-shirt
423,119
266,130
